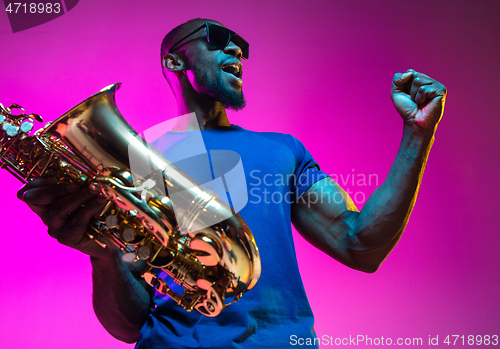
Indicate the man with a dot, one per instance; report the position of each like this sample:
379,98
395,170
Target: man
204,72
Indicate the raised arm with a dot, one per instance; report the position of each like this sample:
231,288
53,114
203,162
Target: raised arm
121,300
362,240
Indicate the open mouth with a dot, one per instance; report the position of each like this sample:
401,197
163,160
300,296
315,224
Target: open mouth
233,69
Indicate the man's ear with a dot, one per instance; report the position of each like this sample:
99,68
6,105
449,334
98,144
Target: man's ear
173,63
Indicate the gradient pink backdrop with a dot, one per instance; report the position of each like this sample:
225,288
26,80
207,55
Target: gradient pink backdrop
320,70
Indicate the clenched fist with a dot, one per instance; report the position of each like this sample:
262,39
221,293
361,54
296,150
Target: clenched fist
418,99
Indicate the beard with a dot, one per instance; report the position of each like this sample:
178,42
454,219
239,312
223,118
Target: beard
219,90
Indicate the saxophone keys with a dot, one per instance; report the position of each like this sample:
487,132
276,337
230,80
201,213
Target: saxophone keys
100,243
95,186
12,130
144,252
111,221
99,217
204,284
26,126
159,285
128,234
209,255
130,257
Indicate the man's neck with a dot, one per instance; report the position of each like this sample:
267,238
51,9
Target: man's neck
208,113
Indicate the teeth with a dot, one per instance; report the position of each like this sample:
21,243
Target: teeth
233,69
235,66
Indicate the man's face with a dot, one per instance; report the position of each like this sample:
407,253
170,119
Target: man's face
214,71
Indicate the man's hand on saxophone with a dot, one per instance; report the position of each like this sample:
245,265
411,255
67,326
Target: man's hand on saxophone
121,298
66,211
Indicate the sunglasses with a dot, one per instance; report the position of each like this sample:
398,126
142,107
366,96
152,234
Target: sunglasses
219,37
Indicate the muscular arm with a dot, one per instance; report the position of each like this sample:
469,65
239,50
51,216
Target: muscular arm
362,240
121,300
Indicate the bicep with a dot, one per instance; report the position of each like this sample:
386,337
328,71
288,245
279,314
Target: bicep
325,217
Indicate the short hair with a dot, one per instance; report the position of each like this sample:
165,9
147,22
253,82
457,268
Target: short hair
167,42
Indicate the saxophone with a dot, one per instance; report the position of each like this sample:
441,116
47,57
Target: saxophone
196,239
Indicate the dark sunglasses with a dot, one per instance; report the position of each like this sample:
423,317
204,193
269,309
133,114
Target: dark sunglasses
219,37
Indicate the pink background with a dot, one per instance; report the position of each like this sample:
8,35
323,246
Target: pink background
320,70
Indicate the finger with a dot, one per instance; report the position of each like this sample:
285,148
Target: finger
82,217
400,80
36,183
73,234
419,82
43,196
60,209
423,94
428,93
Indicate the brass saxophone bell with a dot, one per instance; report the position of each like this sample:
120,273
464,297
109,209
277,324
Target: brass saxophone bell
90,144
